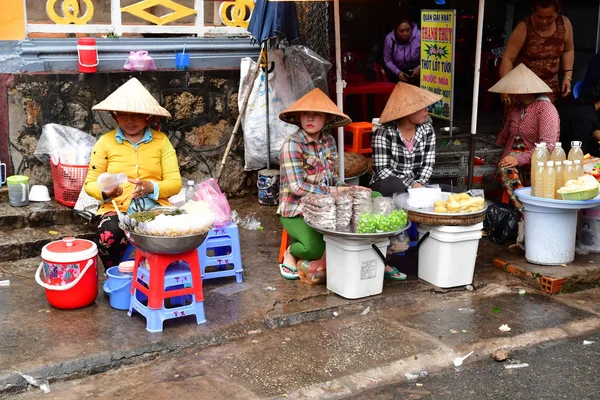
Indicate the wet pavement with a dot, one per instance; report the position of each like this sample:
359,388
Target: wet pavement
355,351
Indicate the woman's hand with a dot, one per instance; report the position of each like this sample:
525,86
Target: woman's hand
403,77
116,192
505,98
508,162
566,86
417,185
142,188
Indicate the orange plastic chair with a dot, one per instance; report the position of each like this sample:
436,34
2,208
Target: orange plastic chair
357,138
284,245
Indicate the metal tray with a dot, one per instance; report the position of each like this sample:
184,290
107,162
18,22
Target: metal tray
359,236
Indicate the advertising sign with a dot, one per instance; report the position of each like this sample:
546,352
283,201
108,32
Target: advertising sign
437,58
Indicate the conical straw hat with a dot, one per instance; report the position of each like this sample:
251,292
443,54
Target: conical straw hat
405,100
520,80
132,97
315,100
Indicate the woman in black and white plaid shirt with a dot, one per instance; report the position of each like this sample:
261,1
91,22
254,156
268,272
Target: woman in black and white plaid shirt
404,146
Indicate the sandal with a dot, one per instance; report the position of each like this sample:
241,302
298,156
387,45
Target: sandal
288,275
394,275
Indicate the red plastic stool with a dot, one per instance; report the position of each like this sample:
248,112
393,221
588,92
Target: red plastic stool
357,137
284,245
158,263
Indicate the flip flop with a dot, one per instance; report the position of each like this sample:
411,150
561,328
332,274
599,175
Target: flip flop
395,275
286,275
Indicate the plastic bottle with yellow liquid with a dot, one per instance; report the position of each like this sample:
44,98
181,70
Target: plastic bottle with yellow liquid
558,154
575,153
569,171
560,178
578,166
539,155
549,180
537,185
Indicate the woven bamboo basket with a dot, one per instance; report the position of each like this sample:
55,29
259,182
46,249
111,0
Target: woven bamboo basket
446,220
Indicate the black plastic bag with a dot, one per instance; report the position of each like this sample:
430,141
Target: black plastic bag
502,223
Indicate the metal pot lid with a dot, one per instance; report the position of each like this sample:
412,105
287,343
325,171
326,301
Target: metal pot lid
69,249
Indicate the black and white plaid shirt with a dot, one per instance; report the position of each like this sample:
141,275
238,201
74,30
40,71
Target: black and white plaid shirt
392,158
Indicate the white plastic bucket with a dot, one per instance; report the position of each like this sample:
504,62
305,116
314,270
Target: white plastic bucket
447,257
354,269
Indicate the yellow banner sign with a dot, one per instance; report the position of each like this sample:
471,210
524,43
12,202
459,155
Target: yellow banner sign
437,58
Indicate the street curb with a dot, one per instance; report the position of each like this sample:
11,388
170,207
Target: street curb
546,284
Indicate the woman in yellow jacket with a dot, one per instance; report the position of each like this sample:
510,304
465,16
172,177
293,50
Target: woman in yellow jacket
145,155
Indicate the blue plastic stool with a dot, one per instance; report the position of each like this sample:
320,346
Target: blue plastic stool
224,242
413,235
177,276
129,253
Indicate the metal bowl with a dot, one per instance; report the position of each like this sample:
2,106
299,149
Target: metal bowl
166,244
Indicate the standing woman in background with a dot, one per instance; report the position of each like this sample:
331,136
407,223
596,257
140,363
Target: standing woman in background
544,43
402,52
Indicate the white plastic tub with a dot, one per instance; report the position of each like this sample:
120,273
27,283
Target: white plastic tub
354,269
447,257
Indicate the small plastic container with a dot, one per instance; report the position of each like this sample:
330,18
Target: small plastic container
107,181
182,61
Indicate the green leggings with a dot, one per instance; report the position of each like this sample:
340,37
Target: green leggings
309,244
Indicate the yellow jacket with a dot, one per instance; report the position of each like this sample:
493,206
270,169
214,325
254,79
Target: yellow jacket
155,161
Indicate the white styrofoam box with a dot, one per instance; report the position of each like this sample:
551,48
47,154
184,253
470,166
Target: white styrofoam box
354,269
447,257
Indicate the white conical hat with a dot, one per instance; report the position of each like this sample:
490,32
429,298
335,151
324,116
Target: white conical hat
521,80
132,97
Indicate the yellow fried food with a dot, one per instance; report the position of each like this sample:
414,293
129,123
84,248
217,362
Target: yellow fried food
453,207
452,198
464,196
439,203
478,200
440,209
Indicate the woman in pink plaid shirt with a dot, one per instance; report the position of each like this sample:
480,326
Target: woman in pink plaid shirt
533,119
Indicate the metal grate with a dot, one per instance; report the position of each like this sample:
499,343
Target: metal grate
314,21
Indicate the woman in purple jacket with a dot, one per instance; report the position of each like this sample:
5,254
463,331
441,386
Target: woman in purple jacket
402,52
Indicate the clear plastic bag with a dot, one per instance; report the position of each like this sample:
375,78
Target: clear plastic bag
139,61
210,191
65,144
308,69
383,205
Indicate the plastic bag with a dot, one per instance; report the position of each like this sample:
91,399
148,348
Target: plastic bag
139,61
210,191
65,144
312,272
502,223
254,121
308,69
86,206
383,205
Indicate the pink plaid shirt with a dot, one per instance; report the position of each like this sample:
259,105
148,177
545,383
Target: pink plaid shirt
536,122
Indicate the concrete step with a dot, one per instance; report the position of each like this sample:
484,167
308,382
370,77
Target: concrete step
28,242
36,214
24,267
